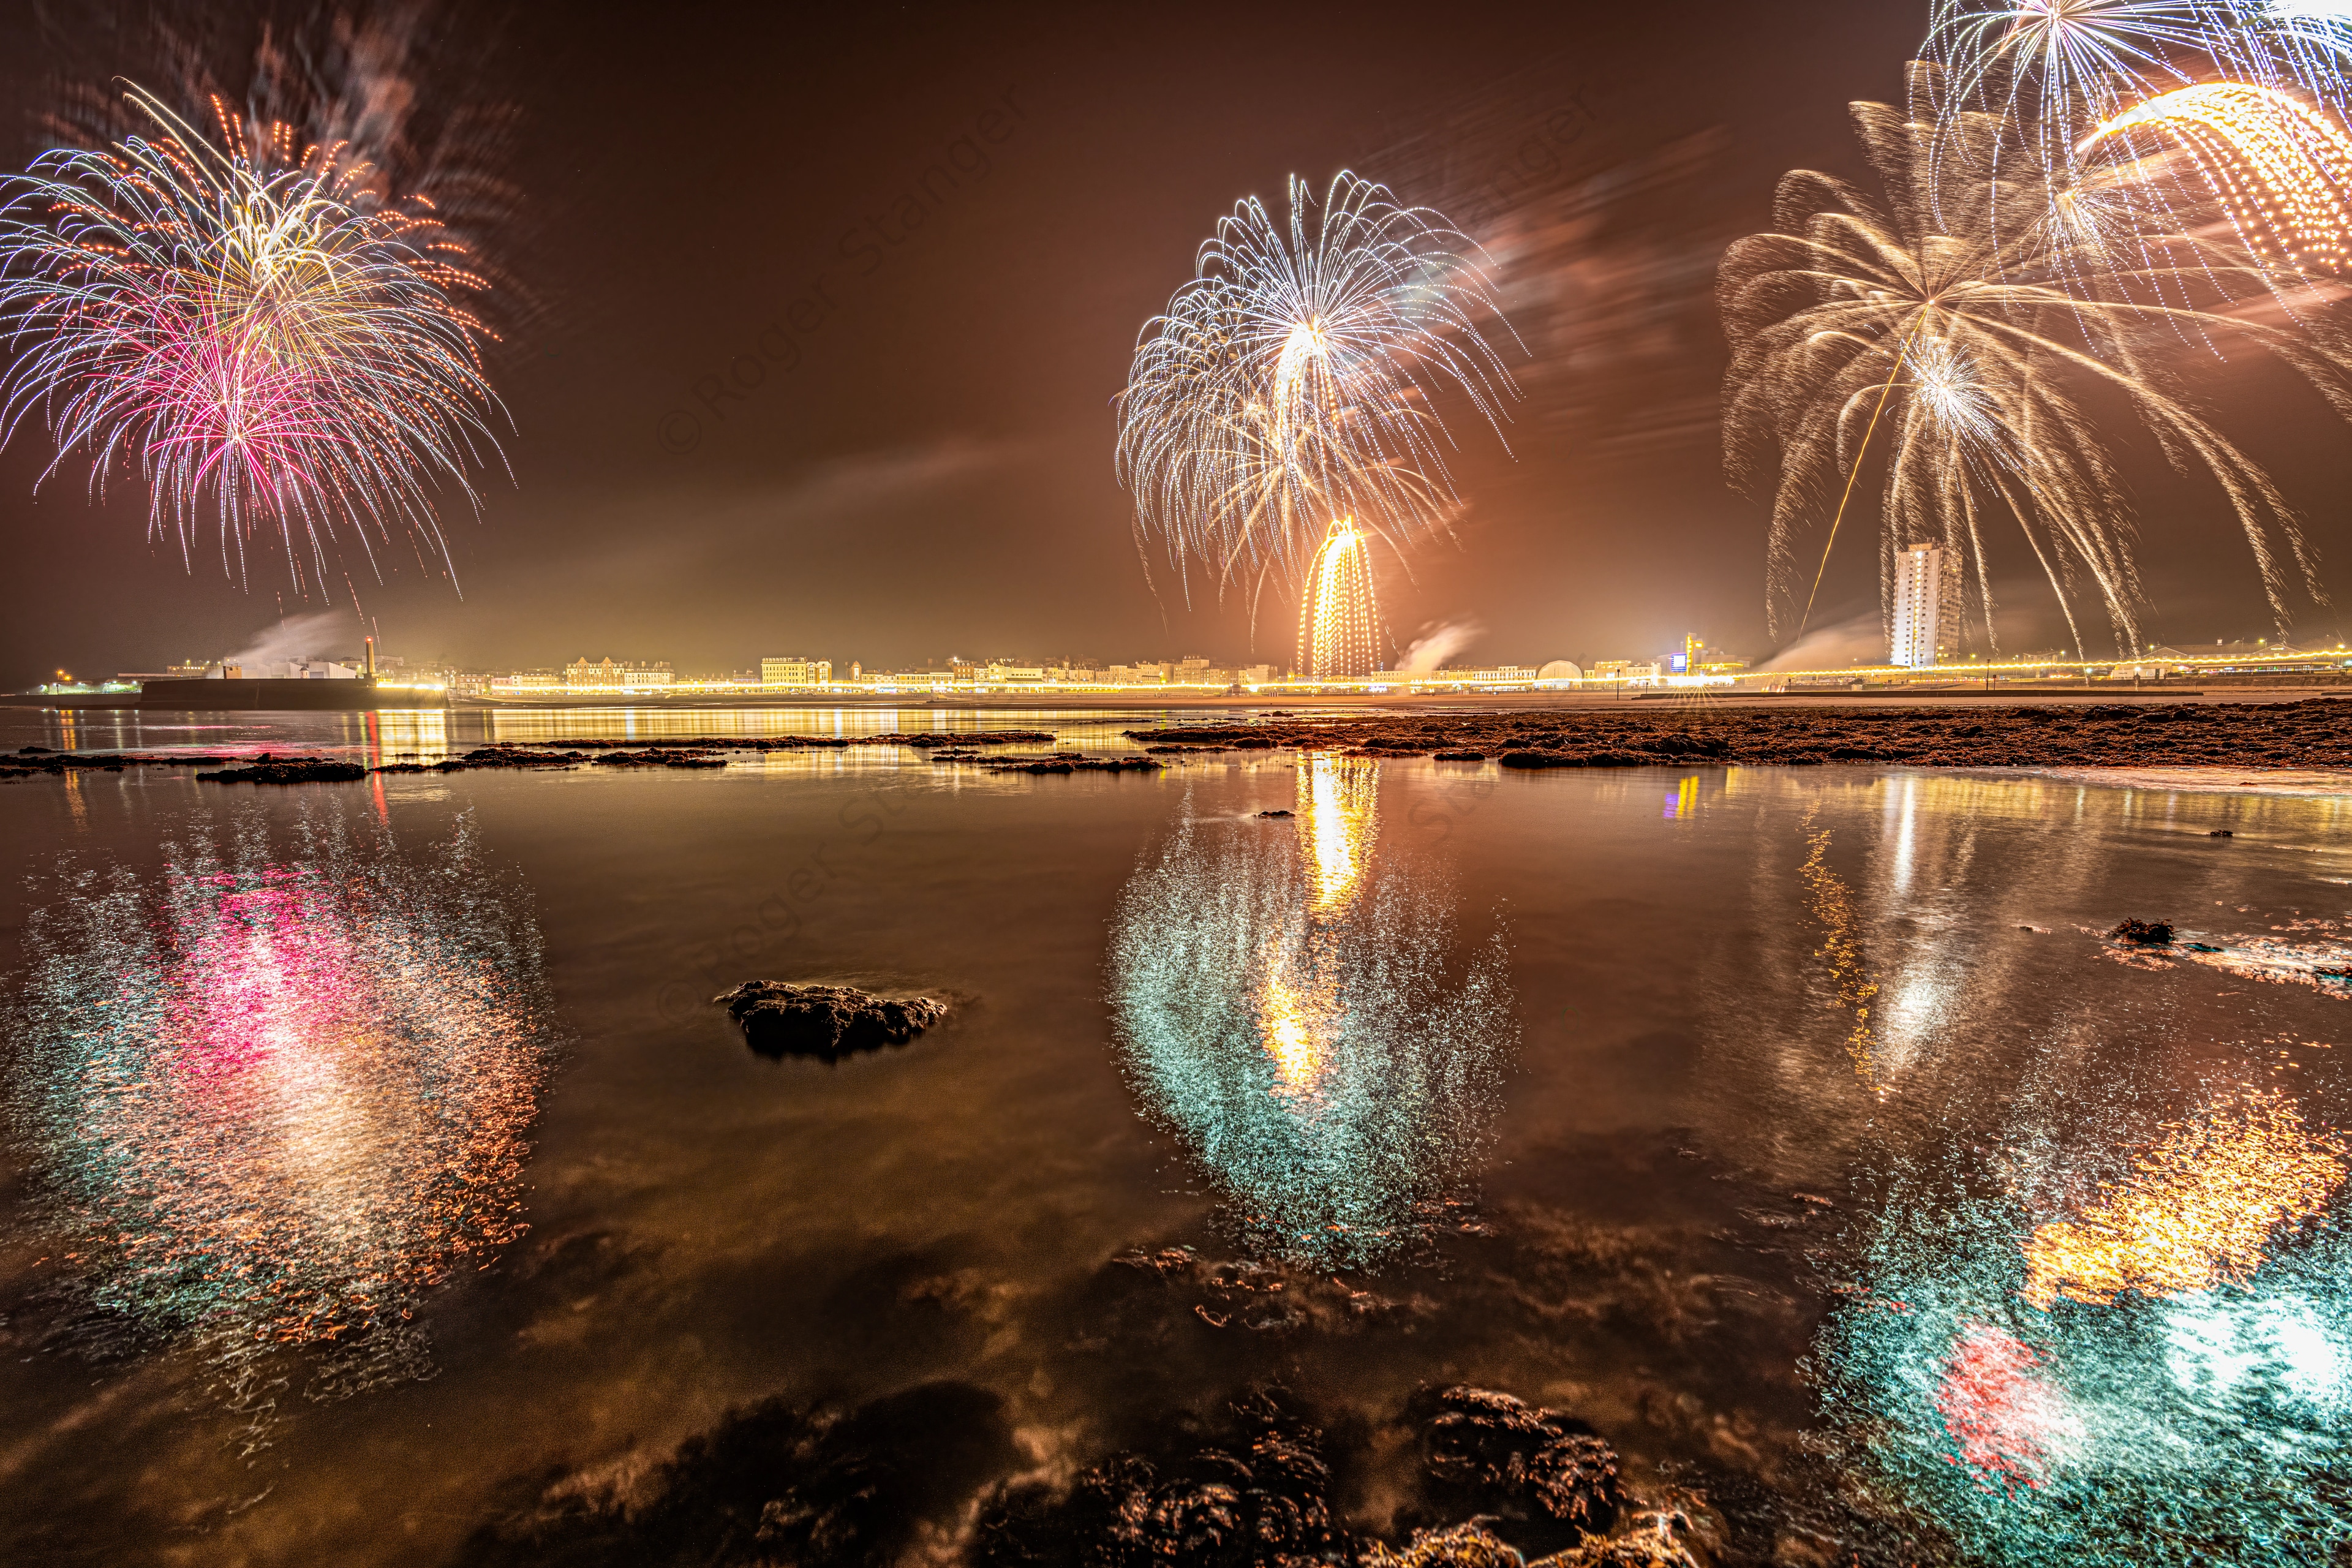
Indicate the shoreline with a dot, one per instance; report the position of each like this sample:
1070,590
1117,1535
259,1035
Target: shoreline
2311,735
2224,688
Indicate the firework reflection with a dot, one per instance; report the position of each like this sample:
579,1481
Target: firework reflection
275,1096
1294,1008
2164,1360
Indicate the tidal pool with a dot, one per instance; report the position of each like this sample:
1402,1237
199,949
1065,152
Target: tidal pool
381,1185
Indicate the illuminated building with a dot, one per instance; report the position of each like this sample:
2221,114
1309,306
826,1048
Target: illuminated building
1919,630
793,672
608,676
1338,619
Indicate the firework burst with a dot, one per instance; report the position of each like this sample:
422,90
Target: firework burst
1292,382
1338,615
2281,171
2063,66
1975,341
272,343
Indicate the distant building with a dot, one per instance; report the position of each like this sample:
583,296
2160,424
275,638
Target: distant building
1920,635
294,670
606,675
795,671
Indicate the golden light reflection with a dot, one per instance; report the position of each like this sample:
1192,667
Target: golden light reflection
1294,1021
1336,796
1833,905
2197,1210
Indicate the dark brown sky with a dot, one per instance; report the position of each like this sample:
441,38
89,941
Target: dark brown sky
924,467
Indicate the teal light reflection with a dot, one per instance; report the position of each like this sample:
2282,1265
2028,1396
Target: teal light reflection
1293,1001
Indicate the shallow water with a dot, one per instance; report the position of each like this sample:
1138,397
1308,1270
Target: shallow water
1738,1112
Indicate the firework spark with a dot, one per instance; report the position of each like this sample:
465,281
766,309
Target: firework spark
1980,334
274,344
2061,67
1292,382
1338,614
2279,170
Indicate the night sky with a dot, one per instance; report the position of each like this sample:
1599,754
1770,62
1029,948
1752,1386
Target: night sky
766,403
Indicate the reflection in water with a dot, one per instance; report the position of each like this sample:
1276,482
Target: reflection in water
1285,1004
1999,1411
2167,1365
2095,1290
2198,1209
276,1093
1841,950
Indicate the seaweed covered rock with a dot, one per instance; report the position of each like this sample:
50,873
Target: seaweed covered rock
267,769
1489,1453
1471,1545
827,1022
814,1484
1256,1497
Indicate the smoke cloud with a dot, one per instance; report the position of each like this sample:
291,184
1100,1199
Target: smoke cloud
1834,646
1437,642
300,637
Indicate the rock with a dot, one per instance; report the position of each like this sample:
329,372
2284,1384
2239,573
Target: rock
827,1022
1540,760
1275,813
1489,1453
2221,833
1647,1550
1468,1545
1256,1498
1459,757
815,1485
293,770
2143,933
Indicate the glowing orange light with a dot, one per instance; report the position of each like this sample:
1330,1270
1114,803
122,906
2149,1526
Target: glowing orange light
1338,619
1337,796
1295,1023
2278,168
2196,1211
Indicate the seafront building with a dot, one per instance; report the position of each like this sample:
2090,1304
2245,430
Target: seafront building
1923,620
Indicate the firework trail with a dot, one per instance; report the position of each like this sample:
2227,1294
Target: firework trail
275,345
1963,337
1339,616
2279,170
2059,68
1291,383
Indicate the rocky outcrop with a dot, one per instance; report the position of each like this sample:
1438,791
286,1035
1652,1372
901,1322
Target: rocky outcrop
2249,737
1254,1494
267,769
2143,933
1491,1454
826,1022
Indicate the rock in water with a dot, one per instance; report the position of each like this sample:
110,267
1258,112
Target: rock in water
1499,1456
2143,933
267,769
827,1022
1468,1545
